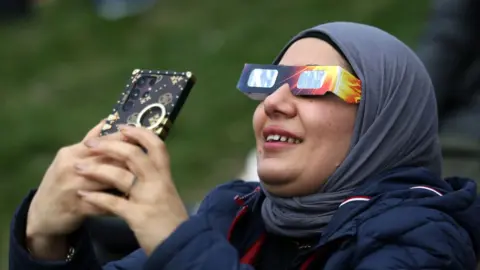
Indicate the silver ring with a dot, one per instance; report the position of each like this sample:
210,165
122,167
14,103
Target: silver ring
134,180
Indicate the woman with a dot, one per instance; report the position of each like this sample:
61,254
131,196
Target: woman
356,185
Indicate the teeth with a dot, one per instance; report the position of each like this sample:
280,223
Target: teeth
270,138
276,138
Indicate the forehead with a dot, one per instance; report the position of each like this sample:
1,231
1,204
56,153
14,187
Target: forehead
311,51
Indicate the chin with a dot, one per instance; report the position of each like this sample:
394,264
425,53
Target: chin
278,181
281,182
273,175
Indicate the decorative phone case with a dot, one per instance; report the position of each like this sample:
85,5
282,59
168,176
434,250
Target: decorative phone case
151,99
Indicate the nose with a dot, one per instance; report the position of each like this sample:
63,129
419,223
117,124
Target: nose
280,103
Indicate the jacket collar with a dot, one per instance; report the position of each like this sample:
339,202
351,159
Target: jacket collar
249,226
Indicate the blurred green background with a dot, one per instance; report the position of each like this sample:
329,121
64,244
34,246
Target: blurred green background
64,68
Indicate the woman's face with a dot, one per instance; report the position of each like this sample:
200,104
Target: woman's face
323,125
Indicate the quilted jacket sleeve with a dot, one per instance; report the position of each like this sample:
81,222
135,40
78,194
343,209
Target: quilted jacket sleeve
20,259
433,241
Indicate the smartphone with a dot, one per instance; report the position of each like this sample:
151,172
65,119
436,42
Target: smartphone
151,99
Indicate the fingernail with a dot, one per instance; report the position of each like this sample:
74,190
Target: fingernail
92,143
80,167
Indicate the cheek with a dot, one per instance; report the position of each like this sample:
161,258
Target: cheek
345,121
341,126
333,122
258,120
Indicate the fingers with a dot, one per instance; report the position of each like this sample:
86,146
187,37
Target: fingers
83,150
151,142
87,209
131,155
107,174
95,131
107,202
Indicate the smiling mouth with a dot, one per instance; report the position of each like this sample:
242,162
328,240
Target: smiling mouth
283,139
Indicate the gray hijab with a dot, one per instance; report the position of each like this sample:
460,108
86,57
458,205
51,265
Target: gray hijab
396,125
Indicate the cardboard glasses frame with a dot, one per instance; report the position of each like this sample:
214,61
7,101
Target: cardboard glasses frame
258,81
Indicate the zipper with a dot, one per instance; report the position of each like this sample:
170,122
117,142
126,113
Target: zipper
241,200
304,250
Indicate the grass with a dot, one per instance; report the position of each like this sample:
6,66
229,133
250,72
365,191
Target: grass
62,70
